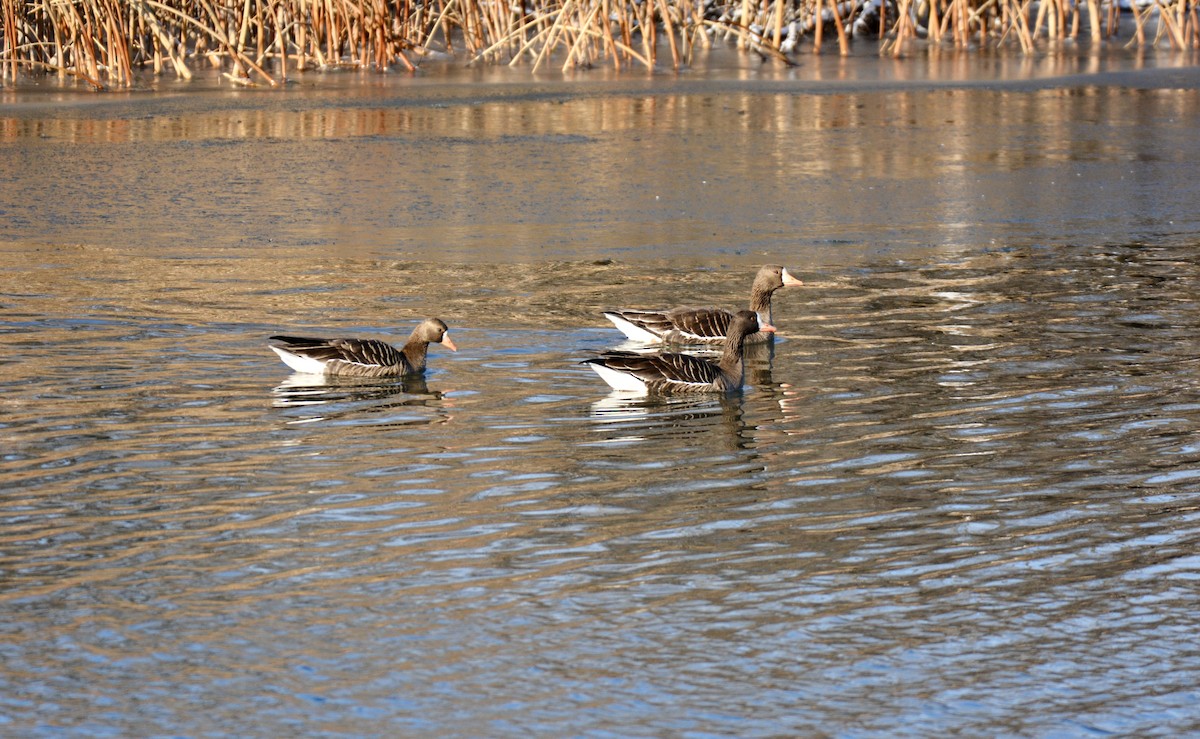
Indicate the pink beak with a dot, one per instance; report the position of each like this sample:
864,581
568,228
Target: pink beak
766,328
446,342
788,280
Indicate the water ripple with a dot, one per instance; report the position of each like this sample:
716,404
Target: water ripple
957,495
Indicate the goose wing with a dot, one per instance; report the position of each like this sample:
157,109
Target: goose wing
663,371
641,325
700,324
683,325
365,352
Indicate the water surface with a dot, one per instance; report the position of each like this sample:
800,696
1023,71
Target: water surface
959,494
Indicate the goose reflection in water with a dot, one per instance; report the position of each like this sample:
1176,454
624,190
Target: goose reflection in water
758,359
374,402
623,418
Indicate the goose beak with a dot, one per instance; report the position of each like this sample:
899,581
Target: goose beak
789,281
446,342
766,328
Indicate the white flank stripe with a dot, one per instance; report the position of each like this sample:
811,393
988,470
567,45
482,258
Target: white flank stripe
689,385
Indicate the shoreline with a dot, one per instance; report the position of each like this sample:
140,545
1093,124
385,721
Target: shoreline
449,83
250,45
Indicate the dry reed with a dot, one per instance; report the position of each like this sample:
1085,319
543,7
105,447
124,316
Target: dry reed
104,42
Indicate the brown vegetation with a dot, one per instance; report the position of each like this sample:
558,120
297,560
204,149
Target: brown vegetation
262,41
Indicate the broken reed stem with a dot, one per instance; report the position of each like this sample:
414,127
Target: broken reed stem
103,42
843,40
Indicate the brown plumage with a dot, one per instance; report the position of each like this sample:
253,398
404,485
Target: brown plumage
362,357
683,373
703,325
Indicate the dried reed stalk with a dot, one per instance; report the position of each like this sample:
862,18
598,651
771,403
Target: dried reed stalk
104,42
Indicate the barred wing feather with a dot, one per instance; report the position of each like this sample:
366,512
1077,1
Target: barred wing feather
686,325
663,372
701,324
366,352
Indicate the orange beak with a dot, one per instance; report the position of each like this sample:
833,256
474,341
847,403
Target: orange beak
788,280
446,342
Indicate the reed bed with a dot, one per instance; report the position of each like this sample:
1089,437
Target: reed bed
104,42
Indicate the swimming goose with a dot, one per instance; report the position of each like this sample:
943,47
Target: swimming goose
683,373
702,325
362,357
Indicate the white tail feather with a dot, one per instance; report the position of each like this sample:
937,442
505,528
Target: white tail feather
619,380
633,331
299,363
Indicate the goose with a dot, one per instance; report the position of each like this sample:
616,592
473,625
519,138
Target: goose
682,373
362,357
702,325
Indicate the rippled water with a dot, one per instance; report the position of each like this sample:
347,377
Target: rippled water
959,496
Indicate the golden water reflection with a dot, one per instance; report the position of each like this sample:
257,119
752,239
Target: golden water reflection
530,172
